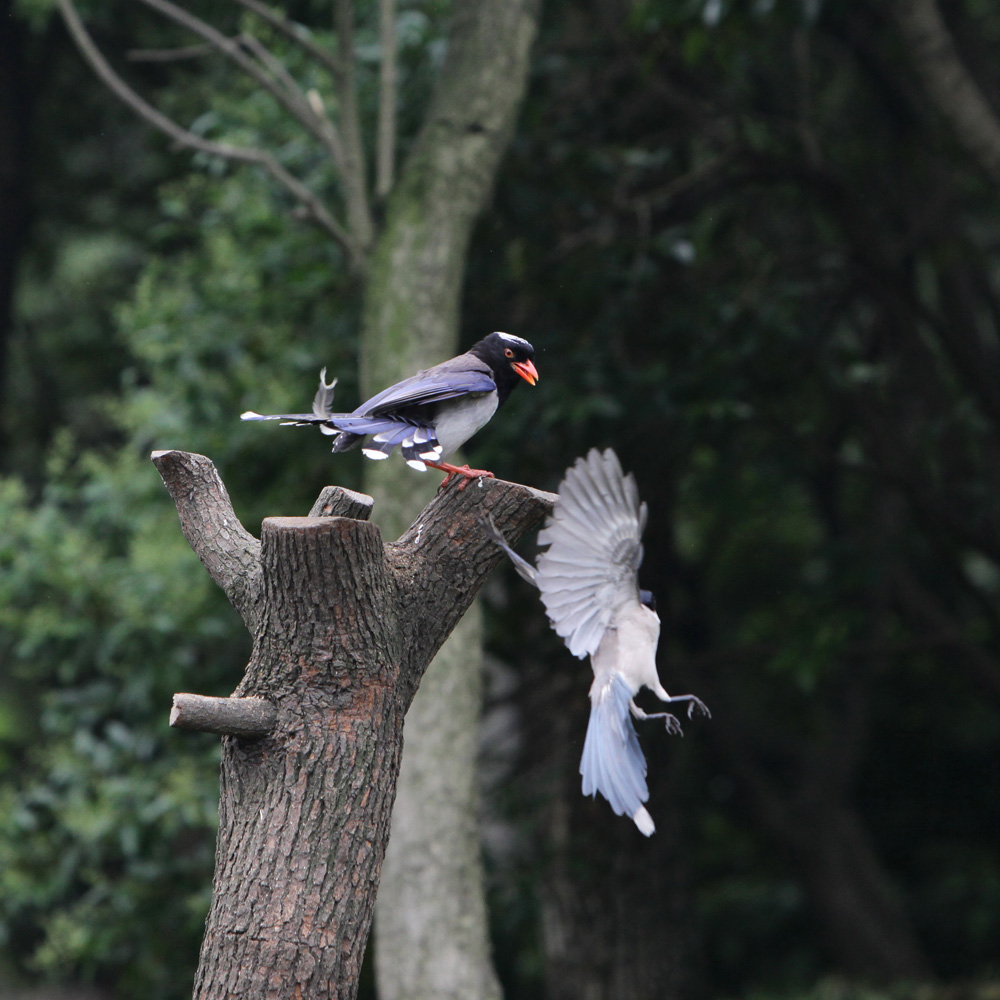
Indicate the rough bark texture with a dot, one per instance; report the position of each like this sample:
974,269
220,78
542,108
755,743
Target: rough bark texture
433,881
343,628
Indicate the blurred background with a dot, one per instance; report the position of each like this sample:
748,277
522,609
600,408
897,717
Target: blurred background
757,248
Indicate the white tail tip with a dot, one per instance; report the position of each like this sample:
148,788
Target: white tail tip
644,821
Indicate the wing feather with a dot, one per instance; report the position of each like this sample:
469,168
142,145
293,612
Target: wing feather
431,386
589,570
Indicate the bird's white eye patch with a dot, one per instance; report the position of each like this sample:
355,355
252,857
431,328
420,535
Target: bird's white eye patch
512,339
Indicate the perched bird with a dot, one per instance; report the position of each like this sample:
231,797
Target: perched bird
431,414
588,579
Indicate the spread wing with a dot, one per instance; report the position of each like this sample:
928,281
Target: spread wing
444,381
589,570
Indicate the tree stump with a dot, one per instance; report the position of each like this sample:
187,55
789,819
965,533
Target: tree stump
343,628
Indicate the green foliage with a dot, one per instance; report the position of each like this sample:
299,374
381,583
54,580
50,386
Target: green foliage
103,614
107,815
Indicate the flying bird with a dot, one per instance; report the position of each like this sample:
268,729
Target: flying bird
589,584
431,414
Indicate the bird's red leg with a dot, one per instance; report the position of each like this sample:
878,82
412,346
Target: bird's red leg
458,470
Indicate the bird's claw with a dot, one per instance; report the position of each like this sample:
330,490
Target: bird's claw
670,721
467,475
672,724
697,705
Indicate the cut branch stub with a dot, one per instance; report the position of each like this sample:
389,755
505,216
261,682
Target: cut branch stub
335,501
246,717
327,595
227,550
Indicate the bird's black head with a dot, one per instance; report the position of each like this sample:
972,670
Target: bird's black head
509,357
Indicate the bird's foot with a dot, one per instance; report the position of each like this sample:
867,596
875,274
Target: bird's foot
694,704
464,471
697,705
670,721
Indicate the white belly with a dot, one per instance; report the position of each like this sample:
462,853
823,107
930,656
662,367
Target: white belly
459,421
629,648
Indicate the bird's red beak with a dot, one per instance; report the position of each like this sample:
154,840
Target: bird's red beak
526,370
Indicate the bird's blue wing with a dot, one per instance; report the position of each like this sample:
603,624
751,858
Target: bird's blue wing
430,386
589,570
612,761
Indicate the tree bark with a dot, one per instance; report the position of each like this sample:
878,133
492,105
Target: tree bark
432,937
810,817
949,83
863,921
344,628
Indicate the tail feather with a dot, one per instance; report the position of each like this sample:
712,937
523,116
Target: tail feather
612,762
417,439
297,418
524,568
323,400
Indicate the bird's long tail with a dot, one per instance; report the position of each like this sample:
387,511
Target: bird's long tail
612,761
322,412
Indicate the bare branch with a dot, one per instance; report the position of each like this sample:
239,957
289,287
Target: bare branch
324,127
948,82
313,205
275,66
386,149
442,559
169,55
359,217
290,30
246,717
227,550
293,99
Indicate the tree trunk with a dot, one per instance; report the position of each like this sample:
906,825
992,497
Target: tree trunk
808,814
16,102
432,937
614,904
343,628
949,83
863,922
434,858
